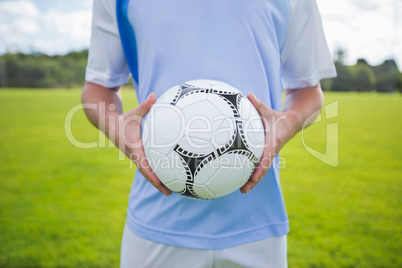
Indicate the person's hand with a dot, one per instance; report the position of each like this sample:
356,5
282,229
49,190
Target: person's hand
128,138
279,129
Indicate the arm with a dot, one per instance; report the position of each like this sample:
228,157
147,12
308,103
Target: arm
123,129
96,94
280,127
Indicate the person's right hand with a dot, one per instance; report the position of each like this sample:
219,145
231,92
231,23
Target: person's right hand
128,139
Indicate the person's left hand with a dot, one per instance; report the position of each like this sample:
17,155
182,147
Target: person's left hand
279,129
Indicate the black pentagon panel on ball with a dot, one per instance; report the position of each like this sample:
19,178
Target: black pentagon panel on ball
192,162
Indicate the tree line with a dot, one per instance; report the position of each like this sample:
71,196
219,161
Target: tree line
364,77
38,70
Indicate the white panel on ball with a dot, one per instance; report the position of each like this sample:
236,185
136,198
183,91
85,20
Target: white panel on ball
201,83
247,171
200,121
202,190
224,133
190,100
236,159
206,170
177,167
176,186
161,118
196,146
168,95
246,109
225,180
221,105
160,165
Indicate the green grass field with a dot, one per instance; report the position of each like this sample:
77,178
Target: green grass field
62,206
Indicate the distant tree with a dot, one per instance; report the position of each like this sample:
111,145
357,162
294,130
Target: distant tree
343,81
39,70
386,74
363,77
362,61
398,84
326,84
340,55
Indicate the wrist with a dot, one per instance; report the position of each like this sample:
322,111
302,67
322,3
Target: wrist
286,125
109,125
294,121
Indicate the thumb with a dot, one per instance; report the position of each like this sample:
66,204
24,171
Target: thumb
254,100
258,104
143,108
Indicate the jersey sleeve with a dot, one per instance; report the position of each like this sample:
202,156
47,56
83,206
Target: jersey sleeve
305,57
107,65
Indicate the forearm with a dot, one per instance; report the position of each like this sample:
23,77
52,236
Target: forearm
100,104
301,106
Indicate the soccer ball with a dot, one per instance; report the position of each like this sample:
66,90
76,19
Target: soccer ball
203,138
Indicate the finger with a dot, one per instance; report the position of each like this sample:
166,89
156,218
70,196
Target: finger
247,187
140,160
143,108
262,167
255,101
252,98
259,105
154,180
263,110
259,172
250,184
133,119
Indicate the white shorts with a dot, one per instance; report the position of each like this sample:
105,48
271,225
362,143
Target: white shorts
141,253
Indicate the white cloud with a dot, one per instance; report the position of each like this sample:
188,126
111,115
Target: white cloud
75,25
22,8
365,28
24,27
69,31
367,4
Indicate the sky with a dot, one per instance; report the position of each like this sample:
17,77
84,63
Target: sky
370,29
